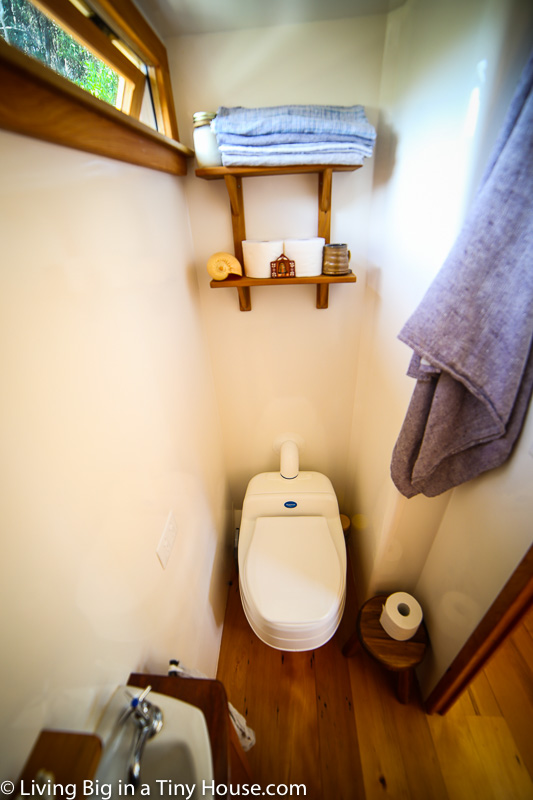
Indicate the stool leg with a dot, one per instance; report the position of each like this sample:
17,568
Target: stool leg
405,682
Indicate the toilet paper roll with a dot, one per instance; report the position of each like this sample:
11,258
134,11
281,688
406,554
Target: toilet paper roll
258,255
306,254
401,616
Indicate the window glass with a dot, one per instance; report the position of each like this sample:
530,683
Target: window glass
147,114
25,27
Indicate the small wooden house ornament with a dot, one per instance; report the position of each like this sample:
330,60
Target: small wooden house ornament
282,267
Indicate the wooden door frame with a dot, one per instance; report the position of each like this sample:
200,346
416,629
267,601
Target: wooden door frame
505,613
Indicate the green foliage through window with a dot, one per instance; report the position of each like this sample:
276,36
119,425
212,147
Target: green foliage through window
25,27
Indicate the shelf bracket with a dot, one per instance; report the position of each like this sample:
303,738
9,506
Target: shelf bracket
325,182
234,187
324,203
245,300
322,295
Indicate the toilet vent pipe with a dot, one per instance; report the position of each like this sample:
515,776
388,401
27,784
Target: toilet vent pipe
289,460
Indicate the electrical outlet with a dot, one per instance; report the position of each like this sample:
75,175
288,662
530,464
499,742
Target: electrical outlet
166,542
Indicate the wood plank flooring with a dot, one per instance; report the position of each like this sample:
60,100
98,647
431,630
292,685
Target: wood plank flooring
335,725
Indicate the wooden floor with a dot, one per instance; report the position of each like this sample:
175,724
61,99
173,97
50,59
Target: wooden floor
335,725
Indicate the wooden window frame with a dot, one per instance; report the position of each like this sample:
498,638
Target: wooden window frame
67,16
37,102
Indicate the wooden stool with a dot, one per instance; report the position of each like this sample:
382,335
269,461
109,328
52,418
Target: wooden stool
400,657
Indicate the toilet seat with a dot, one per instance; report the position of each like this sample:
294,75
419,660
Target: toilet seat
292,582
292,570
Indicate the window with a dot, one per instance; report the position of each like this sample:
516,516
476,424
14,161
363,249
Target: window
100,68
95,78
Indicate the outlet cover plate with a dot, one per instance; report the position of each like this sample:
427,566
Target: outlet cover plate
166,542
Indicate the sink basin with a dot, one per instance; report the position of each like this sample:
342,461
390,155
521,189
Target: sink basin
179,754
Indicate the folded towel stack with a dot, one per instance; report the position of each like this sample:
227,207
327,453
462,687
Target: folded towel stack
293,135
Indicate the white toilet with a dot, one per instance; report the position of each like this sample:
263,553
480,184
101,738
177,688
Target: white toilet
292,556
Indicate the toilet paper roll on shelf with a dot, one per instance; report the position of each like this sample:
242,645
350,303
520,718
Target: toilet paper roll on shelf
401,616
258,255
306,254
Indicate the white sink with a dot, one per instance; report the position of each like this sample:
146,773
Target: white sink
179,754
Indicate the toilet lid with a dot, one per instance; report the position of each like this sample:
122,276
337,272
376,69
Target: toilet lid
292,570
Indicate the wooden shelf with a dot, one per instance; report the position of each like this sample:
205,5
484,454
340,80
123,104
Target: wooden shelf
232,177
216,173
243,286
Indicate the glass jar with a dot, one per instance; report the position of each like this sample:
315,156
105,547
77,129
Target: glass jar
205,141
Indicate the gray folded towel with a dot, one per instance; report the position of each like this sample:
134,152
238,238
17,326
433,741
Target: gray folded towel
474,328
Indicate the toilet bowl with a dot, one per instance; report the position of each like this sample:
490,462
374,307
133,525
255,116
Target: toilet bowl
292,560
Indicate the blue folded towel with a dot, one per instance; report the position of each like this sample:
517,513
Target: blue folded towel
289,159
260,140
321,120
296,149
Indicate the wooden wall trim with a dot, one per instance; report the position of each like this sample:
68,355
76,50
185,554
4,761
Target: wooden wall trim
505,613
36,102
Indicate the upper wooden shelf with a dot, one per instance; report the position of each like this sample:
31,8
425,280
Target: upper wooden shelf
232,177
214,173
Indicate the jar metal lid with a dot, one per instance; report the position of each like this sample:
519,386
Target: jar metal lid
202,118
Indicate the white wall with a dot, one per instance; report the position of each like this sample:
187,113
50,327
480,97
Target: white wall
443,62
285,366
108,421
423,163
485,533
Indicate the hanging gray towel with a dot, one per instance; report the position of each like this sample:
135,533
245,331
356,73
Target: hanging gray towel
472,333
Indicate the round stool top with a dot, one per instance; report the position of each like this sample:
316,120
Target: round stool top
391,653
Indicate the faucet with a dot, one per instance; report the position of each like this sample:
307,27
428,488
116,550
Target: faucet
149,720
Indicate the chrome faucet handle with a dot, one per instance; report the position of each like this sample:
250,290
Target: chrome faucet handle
149,721
139,705
133,704
143,694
